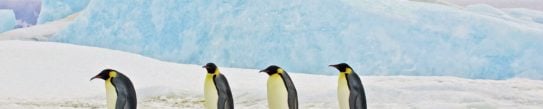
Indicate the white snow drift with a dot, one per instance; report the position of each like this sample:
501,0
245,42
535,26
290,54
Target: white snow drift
48,75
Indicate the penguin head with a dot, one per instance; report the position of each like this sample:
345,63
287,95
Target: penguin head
106,74
211,68
273,69
343,67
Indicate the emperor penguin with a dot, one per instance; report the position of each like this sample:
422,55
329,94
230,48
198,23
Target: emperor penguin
350,89
281,91
119,90
216,89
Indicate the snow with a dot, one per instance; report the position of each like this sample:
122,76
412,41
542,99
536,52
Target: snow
7,21
48,75
385,37
57,9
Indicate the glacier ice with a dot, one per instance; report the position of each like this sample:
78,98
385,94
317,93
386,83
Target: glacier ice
58,9
522,16
7,20
377,37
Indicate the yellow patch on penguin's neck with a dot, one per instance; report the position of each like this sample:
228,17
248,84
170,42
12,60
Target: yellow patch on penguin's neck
348,71
216,71
112,74
280,71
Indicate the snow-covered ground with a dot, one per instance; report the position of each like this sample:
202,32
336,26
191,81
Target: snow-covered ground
48,75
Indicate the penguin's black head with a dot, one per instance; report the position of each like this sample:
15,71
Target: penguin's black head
105,74
210,67
272,69
342,67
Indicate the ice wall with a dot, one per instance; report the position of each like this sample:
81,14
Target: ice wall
377,37
7,20
58,9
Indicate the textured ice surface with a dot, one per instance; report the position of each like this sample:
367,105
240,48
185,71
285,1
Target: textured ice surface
384,37
58,9
7,20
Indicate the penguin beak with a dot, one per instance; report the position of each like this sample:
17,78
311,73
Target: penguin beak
204,66
262,71
333,65
97,76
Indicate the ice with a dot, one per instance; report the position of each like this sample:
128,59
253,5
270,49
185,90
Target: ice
57,9
384,37
522,16
7,20
538,20
42,32
48,75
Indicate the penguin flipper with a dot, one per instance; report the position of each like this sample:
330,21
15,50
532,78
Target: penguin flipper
352,100
355,102
292,94
121,102
126,98
121,93
225,100
360,104
357,97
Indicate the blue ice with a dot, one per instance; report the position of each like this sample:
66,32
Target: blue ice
57,9
376,37
7,20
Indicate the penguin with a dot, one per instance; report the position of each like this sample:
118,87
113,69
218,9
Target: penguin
281,91
216,89
119,90
351,93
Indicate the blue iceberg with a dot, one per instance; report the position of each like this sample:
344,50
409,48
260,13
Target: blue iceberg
57,9
376,37
7,20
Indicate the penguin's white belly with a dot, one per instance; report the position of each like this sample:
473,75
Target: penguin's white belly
210,93
343,92
277,93
111,94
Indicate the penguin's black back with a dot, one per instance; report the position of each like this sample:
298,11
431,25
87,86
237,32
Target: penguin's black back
292,94
225,100
357,96
126,94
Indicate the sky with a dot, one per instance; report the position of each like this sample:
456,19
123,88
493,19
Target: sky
530,4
